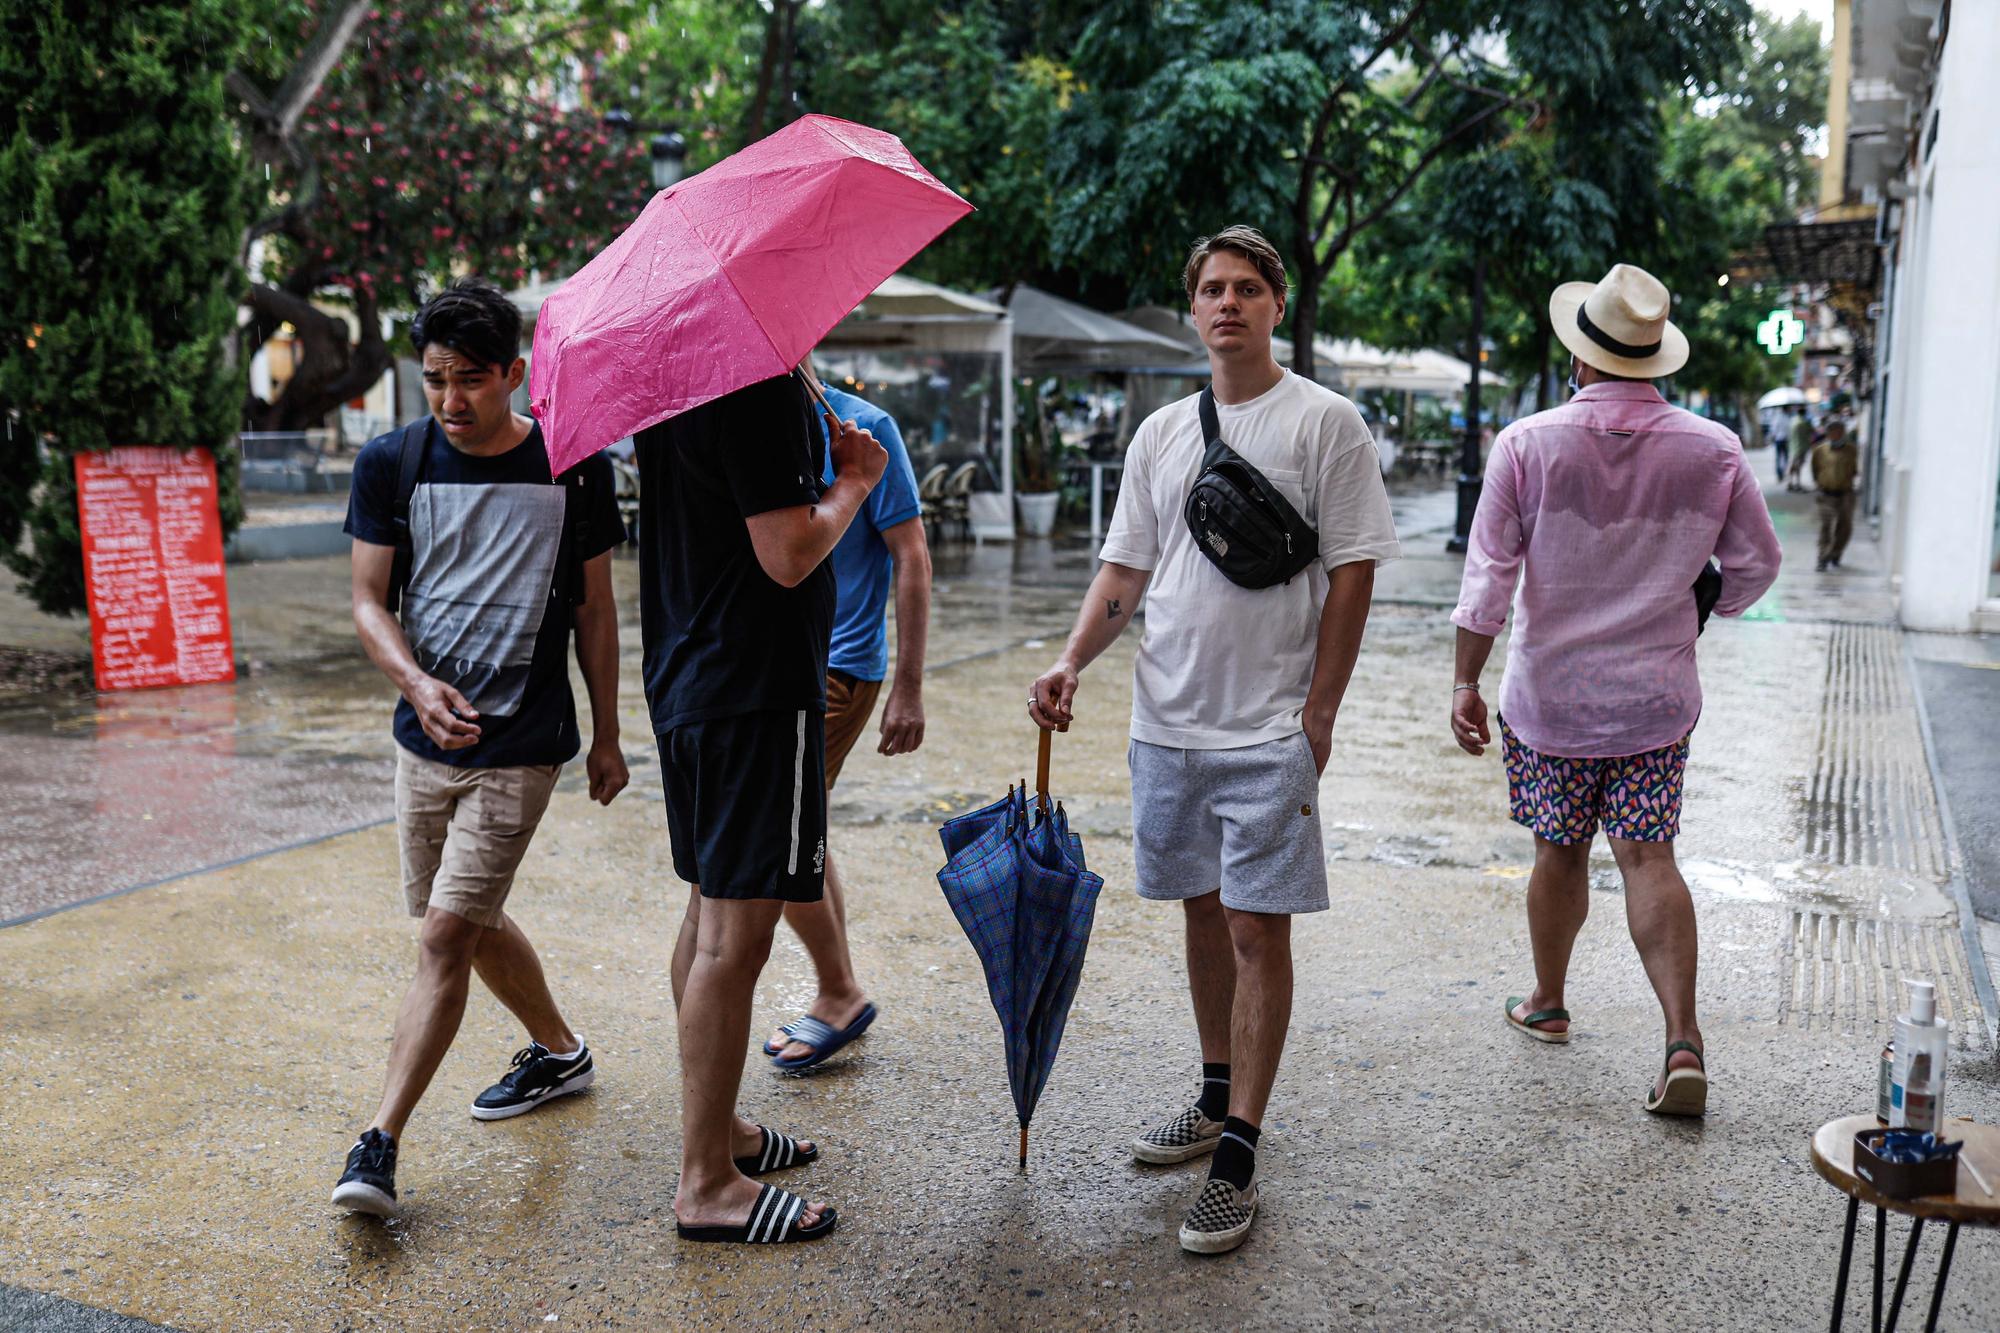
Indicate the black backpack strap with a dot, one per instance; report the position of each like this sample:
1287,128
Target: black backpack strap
577,506
411,447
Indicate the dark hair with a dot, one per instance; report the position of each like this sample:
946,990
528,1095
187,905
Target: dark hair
474,319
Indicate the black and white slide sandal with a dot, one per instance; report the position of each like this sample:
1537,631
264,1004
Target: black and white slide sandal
779,1152
774,1220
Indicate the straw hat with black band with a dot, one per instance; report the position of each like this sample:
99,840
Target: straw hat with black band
1619,325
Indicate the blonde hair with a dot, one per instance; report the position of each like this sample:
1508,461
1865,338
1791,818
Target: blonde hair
1242,240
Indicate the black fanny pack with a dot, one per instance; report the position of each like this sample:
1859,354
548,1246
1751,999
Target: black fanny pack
1241,522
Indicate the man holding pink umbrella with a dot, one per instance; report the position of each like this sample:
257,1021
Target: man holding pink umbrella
736,597
687,333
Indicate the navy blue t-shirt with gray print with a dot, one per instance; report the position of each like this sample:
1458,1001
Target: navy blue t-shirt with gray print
484,611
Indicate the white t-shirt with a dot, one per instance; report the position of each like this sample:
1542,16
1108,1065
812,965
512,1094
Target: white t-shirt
1223,666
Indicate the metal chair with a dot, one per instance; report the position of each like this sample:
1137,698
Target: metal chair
930,492
954,505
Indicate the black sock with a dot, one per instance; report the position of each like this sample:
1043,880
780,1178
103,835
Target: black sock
1236,1156
1214,1099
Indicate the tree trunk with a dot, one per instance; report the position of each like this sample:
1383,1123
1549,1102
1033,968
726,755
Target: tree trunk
1471,467
1305,323
767,70
1305,301
784,115
331,368
1545,373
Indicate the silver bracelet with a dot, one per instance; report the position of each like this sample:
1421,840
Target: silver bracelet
1472,685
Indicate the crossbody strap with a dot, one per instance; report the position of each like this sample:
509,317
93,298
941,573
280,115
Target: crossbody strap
1211,429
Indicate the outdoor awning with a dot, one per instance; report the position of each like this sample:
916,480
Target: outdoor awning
528,300
1051,334
902,297
1422,371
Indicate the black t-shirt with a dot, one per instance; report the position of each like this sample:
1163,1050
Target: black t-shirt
723,637
487,609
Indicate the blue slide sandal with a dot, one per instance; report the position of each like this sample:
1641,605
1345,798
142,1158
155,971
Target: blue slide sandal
825,1039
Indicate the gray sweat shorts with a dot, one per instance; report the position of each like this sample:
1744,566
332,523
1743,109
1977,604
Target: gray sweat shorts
1245,820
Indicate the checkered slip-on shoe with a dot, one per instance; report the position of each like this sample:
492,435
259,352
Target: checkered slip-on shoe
1219,1218
1189,1134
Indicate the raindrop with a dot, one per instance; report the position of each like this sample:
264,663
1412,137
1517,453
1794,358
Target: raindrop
364,145
267,171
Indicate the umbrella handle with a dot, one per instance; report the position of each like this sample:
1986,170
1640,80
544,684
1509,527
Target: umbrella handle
1042,764
811,382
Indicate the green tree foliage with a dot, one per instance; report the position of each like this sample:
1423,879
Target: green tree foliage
976,91
1733,168
1204,112
118,285
686,66
1681,181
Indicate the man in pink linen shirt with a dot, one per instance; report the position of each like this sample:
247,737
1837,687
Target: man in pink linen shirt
1604,511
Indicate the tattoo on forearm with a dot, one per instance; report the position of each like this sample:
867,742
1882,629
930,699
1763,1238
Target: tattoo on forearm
1112,610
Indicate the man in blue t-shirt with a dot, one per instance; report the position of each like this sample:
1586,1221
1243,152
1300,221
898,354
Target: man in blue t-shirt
503,560
884,548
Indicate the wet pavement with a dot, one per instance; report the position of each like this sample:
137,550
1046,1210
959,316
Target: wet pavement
188,1063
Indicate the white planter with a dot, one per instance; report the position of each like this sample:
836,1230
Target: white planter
988,516
1038,512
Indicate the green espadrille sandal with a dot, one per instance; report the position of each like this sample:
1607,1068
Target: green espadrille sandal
1527,1024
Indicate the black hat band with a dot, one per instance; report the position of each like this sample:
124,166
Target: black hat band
1636,351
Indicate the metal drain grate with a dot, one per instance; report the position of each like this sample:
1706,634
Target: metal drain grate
1869,801
1843,973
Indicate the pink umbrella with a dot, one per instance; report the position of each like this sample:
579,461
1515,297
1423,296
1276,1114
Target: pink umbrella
728,278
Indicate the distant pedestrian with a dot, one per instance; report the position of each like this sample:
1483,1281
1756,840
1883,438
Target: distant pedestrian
1235,691
493,561
884,552
1604,511
1792,455
1835,467
737,603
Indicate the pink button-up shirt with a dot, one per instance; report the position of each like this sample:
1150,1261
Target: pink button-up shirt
1604,510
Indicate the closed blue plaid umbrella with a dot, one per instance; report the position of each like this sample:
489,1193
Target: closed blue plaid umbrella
1015,878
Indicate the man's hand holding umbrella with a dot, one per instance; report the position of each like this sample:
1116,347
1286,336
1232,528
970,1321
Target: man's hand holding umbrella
856,452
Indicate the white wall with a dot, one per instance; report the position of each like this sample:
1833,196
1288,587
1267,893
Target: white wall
1948,452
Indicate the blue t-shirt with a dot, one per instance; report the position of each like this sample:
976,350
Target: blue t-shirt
485,610
861,563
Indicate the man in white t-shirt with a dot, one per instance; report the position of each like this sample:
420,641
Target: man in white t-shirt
1234,696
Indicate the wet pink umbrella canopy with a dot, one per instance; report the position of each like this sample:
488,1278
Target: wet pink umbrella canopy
728,278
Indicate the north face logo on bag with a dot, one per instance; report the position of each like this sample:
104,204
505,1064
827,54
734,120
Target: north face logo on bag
1216,543
819,858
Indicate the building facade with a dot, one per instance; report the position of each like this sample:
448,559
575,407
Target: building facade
1920,150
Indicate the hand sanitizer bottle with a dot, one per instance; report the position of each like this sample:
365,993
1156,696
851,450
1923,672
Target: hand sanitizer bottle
1916,1094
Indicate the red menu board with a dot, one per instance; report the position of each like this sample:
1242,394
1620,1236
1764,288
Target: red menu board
152,563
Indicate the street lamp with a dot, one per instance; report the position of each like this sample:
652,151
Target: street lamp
668,150
669,153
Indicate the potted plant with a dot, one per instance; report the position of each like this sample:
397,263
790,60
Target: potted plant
1037,489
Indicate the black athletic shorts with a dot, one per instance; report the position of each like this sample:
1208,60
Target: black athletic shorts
746,804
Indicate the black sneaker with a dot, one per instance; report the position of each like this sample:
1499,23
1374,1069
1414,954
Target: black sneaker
536,1077
369,1183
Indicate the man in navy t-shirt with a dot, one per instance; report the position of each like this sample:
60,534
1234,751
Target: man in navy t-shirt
887,538
502,559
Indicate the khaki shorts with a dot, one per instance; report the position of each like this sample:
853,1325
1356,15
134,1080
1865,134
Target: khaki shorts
463,832
849,704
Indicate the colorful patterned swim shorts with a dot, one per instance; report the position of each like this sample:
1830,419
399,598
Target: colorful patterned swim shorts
1637,796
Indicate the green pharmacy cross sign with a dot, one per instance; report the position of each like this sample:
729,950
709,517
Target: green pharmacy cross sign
1780,332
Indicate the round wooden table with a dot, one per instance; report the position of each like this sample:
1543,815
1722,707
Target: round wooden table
1967,1205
